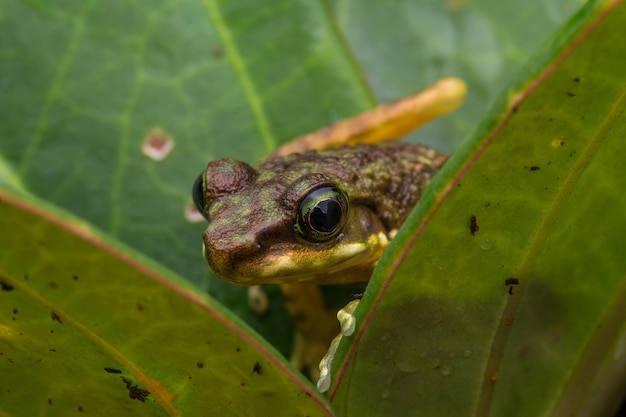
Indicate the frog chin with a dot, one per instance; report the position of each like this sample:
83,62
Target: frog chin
296,263
329,268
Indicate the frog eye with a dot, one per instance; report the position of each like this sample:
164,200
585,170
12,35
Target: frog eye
322,214
197,193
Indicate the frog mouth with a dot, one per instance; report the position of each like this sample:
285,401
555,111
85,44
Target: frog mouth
347,262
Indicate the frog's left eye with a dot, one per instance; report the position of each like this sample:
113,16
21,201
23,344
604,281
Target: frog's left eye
322,214
197,193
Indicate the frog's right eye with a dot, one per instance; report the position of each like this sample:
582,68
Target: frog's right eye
197,193
322,214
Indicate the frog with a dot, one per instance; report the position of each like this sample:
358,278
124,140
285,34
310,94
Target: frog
311,215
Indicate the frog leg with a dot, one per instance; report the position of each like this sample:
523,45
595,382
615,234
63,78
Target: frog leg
315,325
385,122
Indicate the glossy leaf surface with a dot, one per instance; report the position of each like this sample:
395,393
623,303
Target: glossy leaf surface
85,85
85,328
505,293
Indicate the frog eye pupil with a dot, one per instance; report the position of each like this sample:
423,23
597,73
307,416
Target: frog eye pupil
325,216
197,194
322,214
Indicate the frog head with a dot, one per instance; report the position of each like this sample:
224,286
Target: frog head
291,219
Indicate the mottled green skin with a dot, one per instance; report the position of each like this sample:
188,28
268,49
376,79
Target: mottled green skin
252,210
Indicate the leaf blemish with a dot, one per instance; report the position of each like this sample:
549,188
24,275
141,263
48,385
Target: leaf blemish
534,168
257,369
473,225
112,370
192,215
200,365
511,281
157,145
134,391
5,287
56,317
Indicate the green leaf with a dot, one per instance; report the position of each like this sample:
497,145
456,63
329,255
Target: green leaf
86,84
442,330
86,327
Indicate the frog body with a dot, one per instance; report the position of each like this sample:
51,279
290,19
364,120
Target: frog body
318,211
257,233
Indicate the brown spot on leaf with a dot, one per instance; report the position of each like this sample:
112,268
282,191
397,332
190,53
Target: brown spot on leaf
576,79
75,277
5,287
134,391
53,285
217,51
257,369
473,225
534,168
80,409
56,317
140,307
511,281
49,401
200,365
570,94
112,370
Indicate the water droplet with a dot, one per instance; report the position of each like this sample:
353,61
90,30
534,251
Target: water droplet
445,370
441,266
384,394
486,245
467,353
384,336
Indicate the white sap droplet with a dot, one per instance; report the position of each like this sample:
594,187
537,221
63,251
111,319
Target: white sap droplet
346,318
257,299
323,383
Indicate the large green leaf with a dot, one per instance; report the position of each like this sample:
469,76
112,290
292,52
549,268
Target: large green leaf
85,83
85,327
542,178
